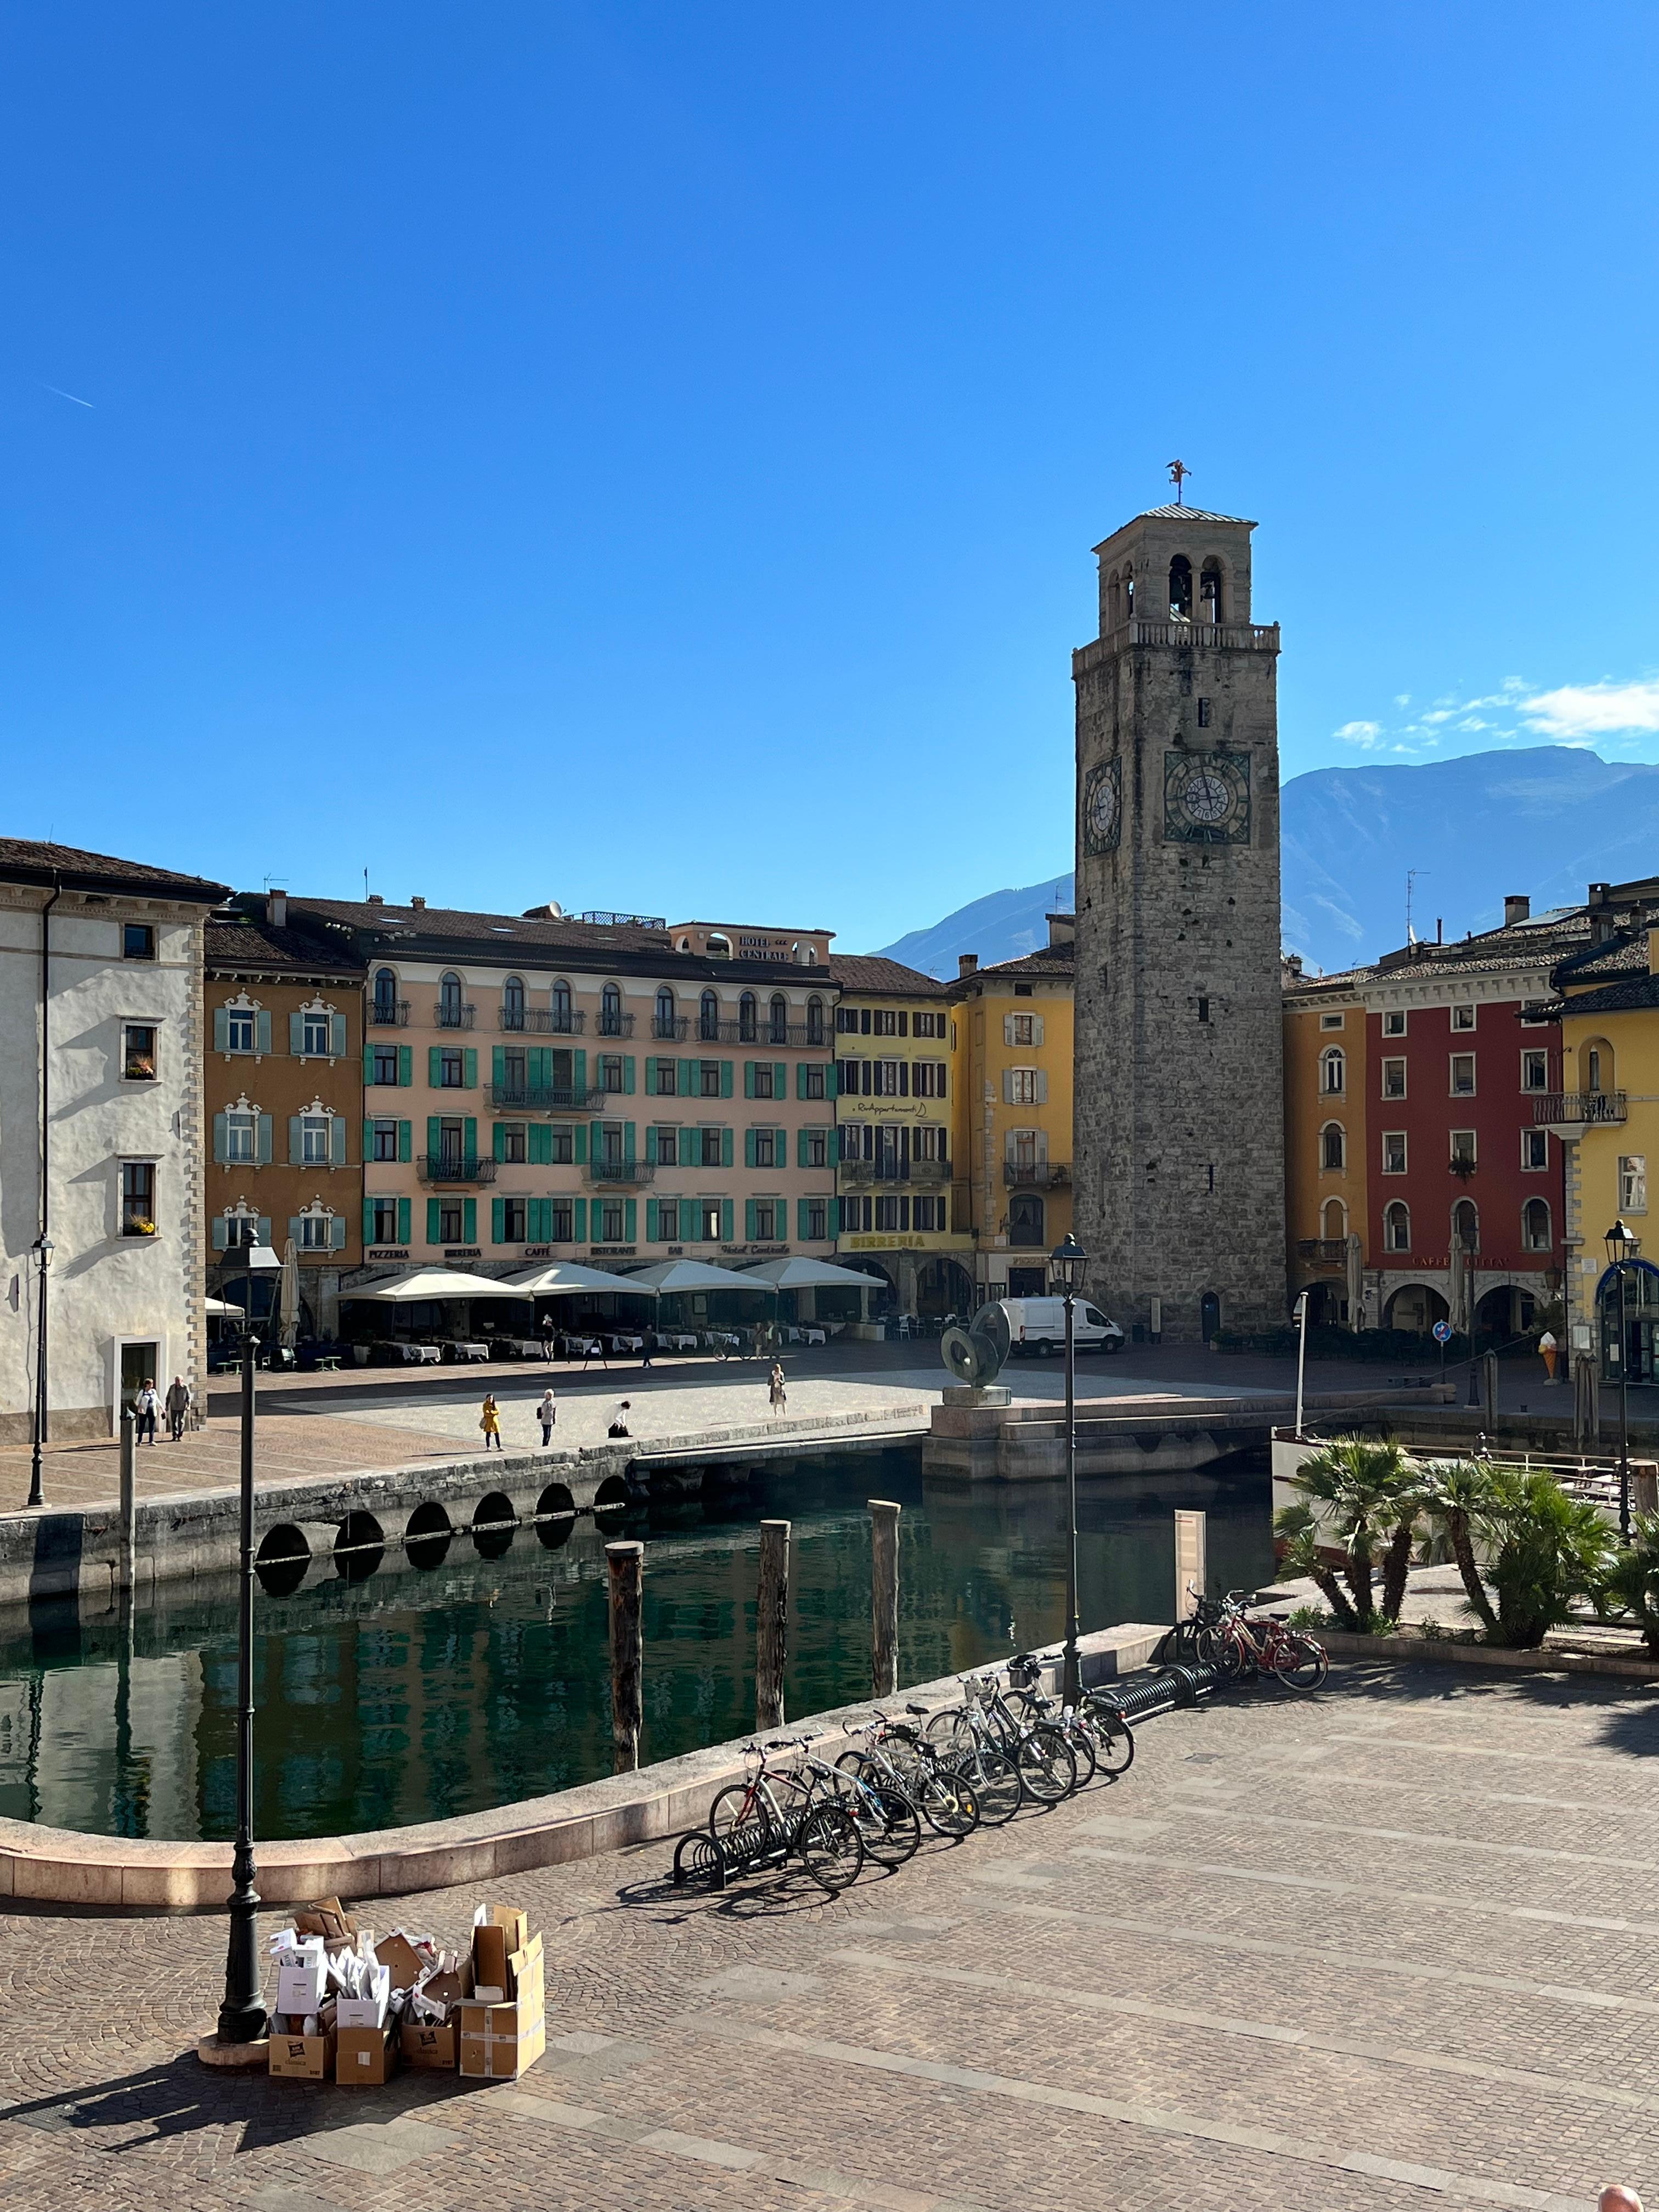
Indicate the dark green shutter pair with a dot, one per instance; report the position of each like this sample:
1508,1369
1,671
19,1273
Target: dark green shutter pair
405,1064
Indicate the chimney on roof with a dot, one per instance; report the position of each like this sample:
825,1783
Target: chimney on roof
1062,929
1293,964
375,899
1517,907
276,907
966,963
1439,925
419,904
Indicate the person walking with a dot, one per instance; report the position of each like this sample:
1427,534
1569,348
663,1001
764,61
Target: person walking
645,1349
776,1390
547,1412
178,1402
547,1338
146,1405
489,1420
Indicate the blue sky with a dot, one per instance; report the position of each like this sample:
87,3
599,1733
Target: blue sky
647,457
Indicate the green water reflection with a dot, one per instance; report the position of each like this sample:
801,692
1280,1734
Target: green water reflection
414,1696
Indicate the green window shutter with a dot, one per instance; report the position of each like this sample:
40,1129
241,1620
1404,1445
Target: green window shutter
688,1148
630,1220
686,1075
433,1066
627,1141
595,1141
498,1221
220,1141
688,1221
748,1078
498,1065
781,1147
368,1142
262,1034
294,1140
498,1146
296,1033
336,1141
469,1221
725,1221
404,1210
541,1213
405,1140
580,1223
832,1080
264,1147
337,1233
221,1234
578,1146
434,1137
538,1067
221,1029
803,1229
801,1148
541,1144
369,1221
627,1074
800,1079
780,1080
749,1221
336,1036
470,1139
725,1148
295,1228
749,1148
726,1078
469,1067
650,1079
406,1065
433,1224
650,1216
579,1074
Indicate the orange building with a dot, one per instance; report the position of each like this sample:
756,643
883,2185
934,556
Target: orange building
1326,1149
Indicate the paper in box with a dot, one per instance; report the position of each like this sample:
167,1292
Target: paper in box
369,2009
301,1975
302,2057
365,2056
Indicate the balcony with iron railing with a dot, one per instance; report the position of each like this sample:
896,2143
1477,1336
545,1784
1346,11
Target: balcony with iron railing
1331,1249
1040,1175
798,1036
541,1021
613,1025
542,1099
388,1013
620,1171
452,1014
669,1028
894,1170
454,1167
1570,1111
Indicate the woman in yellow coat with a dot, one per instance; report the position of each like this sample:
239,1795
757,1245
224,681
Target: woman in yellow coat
491,1422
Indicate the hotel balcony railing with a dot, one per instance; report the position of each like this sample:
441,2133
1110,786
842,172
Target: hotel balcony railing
454,1167
388,1013
1044,1175
1578,1109
614,1025
448,1015
761,1034
541,1098
620,1171
668,1027
541,1021
1321,1248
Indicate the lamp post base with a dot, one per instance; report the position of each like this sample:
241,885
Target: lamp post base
214,2051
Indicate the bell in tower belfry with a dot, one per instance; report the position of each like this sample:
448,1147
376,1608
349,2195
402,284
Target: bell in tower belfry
1178,1144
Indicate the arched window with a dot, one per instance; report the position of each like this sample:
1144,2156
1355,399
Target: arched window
1535,1225
610,1010
1466,1224
1334,1223
1114,600
1181,589
513,1003
1333,1072
385,995
708,1018
780,1011
1210,593
562,1019
1397,1228
815,1021
449,1002
1333,1146
1598,1066
748,1028
665,1025
1128,594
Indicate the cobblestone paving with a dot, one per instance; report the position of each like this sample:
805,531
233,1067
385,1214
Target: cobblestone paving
1391,1946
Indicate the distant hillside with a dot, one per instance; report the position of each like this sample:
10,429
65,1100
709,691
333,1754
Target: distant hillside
1545,821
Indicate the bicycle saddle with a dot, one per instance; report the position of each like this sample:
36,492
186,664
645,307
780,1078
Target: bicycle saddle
921,1711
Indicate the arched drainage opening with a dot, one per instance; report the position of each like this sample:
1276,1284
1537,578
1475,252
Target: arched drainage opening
556,1516
611,1495
282,1560
494,1522
359,1547
427,1539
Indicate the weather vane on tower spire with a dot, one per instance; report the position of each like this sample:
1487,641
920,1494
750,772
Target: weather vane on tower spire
1178,472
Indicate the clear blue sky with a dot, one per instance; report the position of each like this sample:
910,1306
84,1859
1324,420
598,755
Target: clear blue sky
648,456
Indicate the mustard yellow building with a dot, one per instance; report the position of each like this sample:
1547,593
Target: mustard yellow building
1327,1154
895,1097
1013,1124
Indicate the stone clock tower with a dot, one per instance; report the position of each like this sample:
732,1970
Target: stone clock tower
1178,1147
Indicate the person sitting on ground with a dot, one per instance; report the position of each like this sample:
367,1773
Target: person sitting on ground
491,1422
619,1426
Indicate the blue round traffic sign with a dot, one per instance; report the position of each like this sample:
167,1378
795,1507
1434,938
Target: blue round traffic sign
1442,1332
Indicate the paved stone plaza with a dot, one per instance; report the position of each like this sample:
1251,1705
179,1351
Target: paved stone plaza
1393,1945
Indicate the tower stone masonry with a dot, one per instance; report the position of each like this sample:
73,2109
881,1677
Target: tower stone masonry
1177,1148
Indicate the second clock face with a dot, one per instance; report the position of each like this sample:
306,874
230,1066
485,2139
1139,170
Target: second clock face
1206,798
1102,806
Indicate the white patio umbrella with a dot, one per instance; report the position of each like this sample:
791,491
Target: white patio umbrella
219,1306
669,1275
555,1278
807,1275
436,1283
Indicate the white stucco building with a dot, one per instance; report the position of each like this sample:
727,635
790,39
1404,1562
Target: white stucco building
101,1006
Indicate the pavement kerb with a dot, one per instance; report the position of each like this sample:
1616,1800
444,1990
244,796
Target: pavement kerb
62,1866
1438,1651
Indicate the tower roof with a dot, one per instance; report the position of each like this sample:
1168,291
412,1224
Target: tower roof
1173,513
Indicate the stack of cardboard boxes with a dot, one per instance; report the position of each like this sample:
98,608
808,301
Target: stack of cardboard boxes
348,2008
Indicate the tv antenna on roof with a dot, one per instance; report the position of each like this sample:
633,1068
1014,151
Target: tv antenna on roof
1179,472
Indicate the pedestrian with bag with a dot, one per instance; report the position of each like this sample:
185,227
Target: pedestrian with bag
178,1401
776,1390
145,1407
491,1422
547,1412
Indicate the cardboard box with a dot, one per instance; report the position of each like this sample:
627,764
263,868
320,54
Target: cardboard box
366,2057
503,1930
450,1987
328,1918
496,2045
302,1976
404,1962
437,2048
302,2058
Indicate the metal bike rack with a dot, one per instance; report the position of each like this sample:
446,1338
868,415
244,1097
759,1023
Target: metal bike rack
1164,1691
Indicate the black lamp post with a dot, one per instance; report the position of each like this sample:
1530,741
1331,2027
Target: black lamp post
43,1249
1622,1246
1068,1265
242,2015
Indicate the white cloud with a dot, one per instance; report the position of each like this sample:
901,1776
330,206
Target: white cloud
1402,698
1360,733
1591,710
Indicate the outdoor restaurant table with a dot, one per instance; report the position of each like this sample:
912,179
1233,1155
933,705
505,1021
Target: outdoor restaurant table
812,1336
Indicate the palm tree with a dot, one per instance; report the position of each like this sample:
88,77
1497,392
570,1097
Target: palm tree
1551,1549
1459,1502
1369,1491
1298,1534
1633,1584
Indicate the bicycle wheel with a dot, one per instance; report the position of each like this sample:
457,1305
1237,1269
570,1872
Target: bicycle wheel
949,1802
887,1822
1300,1663
994,1779
1083,1750
855,1762
949,1729
831,1848
1115,1741
741,1825
1232,1657
1048,1769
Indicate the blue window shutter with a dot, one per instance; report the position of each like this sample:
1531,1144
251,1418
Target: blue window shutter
336,1141
725,1148
296,1033
221,1233
405,1140
630,1220
434,1137
579,1075
470,1137
650,1089
294,1138
749,1148
405,1064
264,1147
749,1221
469,1221
404,1210
336,1036
220,1139
498,1065
748,1078
293,1228
221,1029
369,1221
688,1221
725,1221
262,1033
578,1146
726,1078
687,1074
469,1067
433,1222
688,1148
498,1148
337,1233
627,1074
581,1223
498,1221
433,1066
803,1222
264,1229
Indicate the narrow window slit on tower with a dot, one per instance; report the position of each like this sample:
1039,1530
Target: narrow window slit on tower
1203,713
1204,1010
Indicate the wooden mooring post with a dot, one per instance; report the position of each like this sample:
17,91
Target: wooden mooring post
124,1558
772,1626
625,1564
884,1597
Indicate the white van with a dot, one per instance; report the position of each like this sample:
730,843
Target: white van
1038,1325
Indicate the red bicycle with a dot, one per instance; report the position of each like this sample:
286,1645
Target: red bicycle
1240,1647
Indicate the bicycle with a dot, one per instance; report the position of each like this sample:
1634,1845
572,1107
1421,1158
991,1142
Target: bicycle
898,1758
1245,1646
752,1830
1097,1731
1045,1762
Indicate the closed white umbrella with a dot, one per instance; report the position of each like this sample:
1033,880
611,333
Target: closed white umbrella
289,1289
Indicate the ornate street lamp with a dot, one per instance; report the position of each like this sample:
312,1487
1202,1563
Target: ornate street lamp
1068,1263
43,1249
1621,1246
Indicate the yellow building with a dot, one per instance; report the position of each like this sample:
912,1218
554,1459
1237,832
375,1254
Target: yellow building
1013,1122
1327,1151
1607,1116
895,1097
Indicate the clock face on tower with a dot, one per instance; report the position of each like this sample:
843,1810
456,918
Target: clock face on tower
1102,804
1206,798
